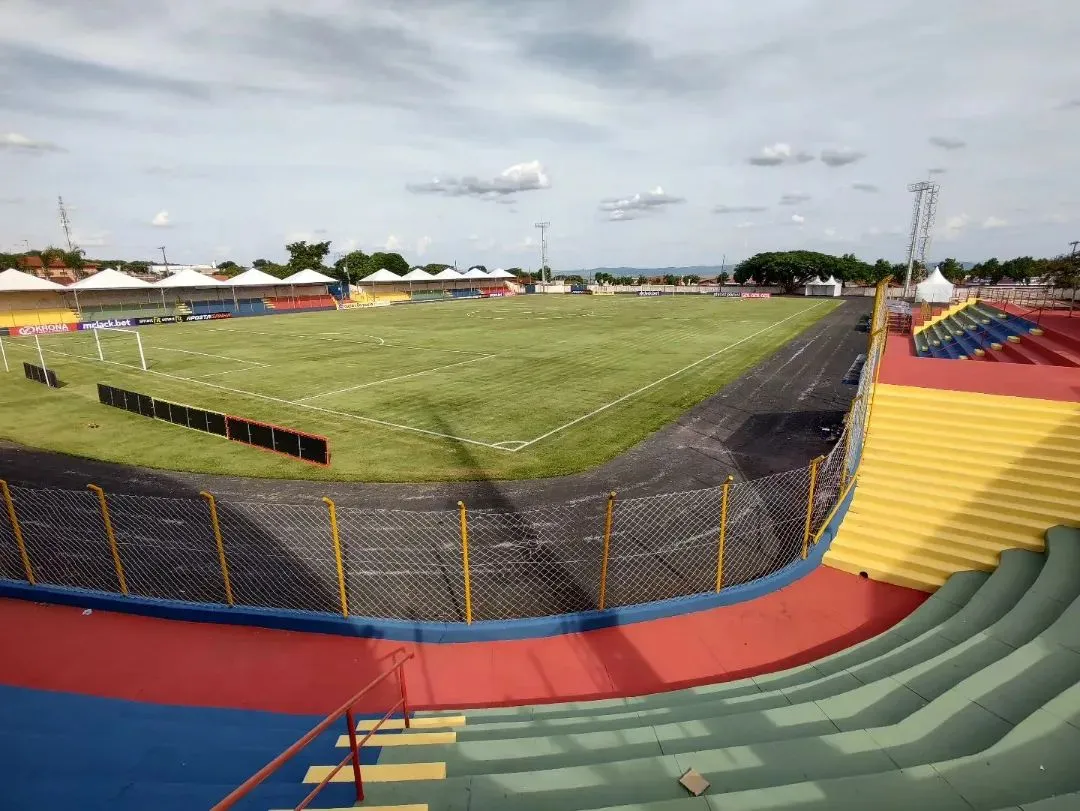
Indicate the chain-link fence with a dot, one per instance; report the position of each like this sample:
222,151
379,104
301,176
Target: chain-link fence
452,565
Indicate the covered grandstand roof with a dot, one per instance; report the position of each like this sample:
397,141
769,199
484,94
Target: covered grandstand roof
253,278
417,275
499,273
188,278
474,273
382,275
307,276
447,273
15,281
109,279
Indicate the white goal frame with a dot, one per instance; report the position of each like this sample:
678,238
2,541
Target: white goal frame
138,341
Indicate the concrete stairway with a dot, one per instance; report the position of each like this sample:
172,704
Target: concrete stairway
950,479
972,702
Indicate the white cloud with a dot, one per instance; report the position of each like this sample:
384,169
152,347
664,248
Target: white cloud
161,220
841,157
829,232
392,244
747,224
944,142
779,154
955,226
521,177
632,207
96,239
798,219
994,222
20,143
794,198
422,245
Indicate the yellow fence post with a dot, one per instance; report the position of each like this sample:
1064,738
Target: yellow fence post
463,517
725,495
9,504
220,544
111,536
337,556
609,517
814,465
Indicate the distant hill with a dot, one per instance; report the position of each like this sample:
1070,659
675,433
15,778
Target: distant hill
705,271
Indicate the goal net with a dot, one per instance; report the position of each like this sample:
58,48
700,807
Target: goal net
119,345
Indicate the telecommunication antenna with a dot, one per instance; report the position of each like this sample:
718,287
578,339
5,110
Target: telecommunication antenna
164,258
65,223
923,214
543,226
1073,244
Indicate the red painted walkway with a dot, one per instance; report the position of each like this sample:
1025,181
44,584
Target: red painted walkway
902,367
124,656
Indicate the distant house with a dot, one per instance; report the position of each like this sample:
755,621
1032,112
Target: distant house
56,270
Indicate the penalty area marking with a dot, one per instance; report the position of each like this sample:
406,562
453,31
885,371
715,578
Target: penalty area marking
267,397
677,372
394,379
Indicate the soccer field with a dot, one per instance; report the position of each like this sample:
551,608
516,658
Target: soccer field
501,388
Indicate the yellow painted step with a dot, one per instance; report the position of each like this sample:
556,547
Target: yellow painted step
884,572
985,514
919,554
986,467
981,481
408,739
959,527
878,484
421,722
919,423
380,773
945,445
996,402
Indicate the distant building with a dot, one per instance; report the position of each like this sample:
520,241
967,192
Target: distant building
56,270
168,270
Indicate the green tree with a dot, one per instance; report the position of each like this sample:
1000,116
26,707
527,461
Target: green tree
692,279
880,271
952,270
272,268
229,268
1063,272
352,267
394,262
303,256
435,267
788,270
1021,269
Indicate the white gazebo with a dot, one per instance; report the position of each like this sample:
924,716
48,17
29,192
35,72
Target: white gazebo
448,274
816,287
253,278
499,273
187,278
15,281
417,275
105,280
474,273
382,276
936,289
308,276
835,288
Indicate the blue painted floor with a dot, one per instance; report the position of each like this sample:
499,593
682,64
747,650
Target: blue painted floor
63,751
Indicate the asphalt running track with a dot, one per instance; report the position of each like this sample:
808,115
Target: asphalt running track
49,647
767,421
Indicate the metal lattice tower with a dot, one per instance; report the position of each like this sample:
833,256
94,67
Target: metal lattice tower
543,226
923,215
65,224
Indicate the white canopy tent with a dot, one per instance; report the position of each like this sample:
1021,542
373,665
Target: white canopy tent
936,289
107,279
417,275
253,278
816,287
382,276
15,281
308,276
474,273
187,278
499,273
835,287
448,274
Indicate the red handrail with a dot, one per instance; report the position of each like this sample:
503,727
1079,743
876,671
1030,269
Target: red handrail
345,709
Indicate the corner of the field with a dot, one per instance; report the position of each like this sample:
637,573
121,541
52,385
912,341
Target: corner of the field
428,632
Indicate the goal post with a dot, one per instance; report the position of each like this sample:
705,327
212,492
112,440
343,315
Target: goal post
138,342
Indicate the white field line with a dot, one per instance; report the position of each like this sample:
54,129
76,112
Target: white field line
393,379
381,341
233,371
208,355
257,396
677,372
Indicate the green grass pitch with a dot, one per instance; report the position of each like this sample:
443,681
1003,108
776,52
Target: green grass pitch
508,388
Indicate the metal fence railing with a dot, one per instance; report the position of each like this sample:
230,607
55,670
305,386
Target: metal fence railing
453,565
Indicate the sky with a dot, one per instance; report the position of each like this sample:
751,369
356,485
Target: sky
649,133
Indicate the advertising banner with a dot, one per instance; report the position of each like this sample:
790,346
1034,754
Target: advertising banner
756,295
42,329
108,322
727,295
205,316
157,319
650,292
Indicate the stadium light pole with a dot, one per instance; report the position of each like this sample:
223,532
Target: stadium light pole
543,226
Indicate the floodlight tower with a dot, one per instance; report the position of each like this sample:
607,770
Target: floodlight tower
65,224
923,214
543,226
